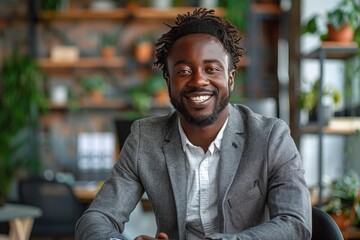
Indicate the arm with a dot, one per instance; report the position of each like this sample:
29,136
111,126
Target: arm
287,195
117,198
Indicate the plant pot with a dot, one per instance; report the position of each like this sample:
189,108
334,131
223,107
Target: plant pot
343,34
96,96
143,52
342,221
108,52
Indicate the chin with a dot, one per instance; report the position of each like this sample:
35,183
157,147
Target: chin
201,120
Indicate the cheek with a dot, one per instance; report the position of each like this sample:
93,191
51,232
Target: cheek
173,88
176,85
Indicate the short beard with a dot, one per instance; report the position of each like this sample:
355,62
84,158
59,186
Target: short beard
201,121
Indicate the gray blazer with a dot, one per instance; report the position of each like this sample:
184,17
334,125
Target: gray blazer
262,191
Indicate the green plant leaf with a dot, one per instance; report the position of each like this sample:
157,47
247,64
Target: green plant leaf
21,99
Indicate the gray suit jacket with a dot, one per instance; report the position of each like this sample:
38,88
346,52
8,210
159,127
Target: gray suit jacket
262,192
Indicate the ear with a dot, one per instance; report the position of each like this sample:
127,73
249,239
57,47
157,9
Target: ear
232,79
167,78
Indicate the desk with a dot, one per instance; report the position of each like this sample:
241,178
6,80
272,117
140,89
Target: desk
85,191
20,218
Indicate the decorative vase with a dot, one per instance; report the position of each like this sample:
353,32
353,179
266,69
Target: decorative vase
59,94
344,34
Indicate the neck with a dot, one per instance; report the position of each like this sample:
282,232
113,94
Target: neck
202,136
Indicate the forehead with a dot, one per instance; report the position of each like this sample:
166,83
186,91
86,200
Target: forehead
197,43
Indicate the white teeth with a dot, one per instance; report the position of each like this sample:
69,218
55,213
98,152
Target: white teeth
200,98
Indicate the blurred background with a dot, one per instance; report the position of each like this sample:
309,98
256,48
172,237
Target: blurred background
76,74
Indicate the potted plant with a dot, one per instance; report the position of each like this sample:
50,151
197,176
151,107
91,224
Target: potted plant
144,48
21,99
53,5
152,92
344,199
108,44
309,100
343,23
94,86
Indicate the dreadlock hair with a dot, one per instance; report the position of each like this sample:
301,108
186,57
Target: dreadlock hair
201,20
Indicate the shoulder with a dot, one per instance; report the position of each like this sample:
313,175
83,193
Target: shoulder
250,119
248,112
155,125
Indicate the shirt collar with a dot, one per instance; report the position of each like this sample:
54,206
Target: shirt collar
217,141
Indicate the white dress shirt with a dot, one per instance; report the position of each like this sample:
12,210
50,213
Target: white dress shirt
202,186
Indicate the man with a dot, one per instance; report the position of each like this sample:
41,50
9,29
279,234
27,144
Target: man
210,169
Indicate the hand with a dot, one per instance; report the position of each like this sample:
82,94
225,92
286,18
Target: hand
160,235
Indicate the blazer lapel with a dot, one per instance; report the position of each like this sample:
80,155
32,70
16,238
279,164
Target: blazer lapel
231,150
176,164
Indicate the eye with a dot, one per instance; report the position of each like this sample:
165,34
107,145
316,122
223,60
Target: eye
212,69
183,72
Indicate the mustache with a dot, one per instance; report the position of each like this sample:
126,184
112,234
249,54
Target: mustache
198,90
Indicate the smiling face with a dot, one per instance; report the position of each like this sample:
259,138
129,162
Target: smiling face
199,79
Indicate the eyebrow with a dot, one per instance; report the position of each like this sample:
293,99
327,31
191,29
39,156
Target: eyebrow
181,62
188,62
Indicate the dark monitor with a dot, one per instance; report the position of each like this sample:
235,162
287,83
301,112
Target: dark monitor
122,130
123,125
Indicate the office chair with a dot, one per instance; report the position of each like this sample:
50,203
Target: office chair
60,207
324,227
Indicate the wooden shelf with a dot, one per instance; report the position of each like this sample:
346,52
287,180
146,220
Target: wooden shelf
337,126
3,23
354,233
266,8
334,50
119,13
95,62
143,13
106,104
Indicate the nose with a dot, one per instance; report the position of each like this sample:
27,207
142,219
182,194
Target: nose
198,79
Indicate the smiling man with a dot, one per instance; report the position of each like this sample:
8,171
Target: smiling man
212,170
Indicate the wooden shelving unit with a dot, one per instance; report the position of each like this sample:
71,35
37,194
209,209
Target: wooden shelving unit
119,68
89,62
328,51
334,50
141,13
106,104
266,8
337,126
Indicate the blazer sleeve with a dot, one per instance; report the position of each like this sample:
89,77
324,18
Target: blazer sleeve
287,199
